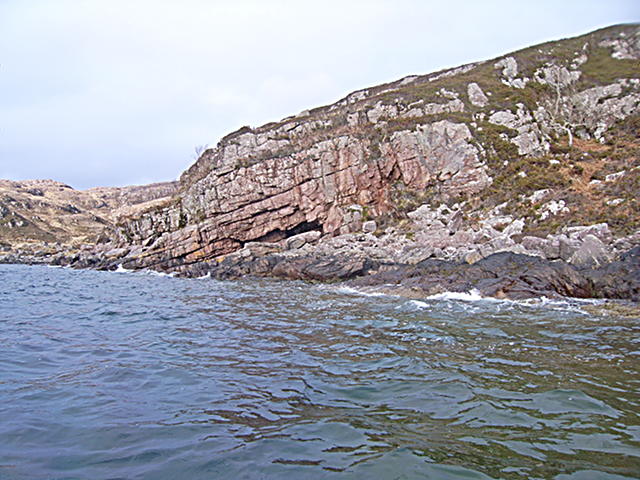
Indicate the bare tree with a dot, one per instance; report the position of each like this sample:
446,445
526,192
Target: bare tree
198,150
562,109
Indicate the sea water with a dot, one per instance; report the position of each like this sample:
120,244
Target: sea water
107,375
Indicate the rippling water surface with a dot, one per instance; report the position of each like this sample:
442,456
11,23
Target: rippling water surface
122,375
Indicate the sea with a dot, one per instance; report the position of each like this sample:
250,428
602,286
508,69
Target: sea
137,375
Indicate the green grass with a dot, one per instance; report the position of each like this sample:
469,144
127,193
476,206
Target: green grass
601,68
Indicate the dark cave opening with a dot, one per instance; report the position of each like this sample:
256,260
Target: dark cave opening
277,234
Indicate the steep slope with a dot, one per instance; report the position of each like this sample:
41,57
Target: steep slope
460,163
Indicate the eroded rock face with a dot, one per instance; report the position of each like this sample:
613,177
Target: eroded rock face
298,194
599,107
509,66
624,47
308,188
332,169
530,138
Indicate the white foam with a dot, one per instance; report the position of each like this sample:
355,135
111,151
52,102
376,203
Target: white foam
419,304
472,295
152,273
159,274
569,303
364,293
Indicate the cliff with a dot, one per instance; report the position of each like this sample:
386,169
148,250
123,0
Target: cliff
517,176
533,152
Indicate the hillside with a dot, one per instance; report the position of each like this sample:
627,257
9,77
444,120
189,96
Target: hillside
43,217
535,152
487,157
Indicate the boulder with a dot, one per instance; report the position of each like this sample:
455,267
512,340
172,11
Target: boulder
455,222
473,257
416,254
298,241
369,226
476,95
260,249
591,253
599,230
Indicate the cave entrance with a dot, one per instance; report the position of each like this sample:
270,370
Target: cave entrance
303,227
278,234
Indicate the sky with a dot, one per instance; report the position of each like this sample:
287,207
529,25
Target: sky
122,92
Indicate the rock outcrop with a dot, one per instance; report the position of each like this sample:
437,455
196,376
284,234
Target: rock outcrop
323,185
487,136
511,163
513,276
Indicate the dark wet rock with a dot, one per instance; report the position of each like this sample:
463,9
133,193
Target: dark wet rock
326,269
501,275
619,279
522,276
335,269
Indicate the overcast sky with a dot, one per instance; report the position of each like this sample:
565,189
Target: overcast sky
121,92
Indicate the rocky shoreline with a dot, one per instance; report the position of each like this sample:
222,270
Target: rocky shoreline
581,264
516,177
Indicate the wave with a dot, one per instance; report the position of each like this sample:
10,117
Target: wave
152,273
472,295
364,293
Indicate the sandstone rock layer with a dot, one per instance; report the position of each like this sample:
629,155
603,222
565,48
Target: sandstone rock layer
381,151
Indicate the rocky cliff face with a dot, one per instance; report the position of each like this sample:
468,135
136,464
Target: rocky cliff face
321,183
45,217
507,154
535,153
